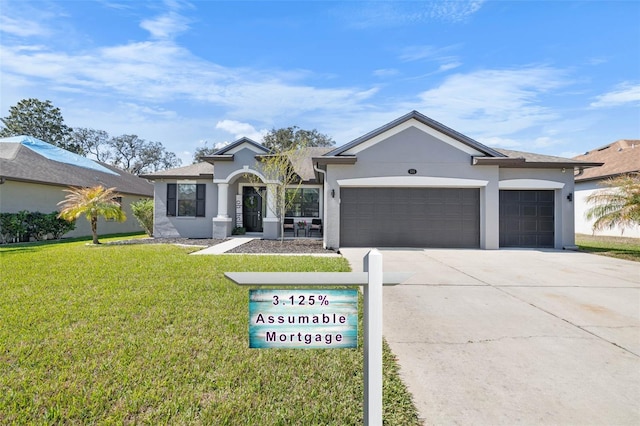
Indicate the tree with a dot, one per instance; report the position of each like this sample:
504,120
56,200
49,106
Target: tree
92,141
143,211
32,117
617,205
280,167
92,203
203,152
289,138
138,156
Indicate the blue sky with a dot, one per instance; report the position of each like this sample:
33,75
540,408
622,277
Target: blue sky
552,77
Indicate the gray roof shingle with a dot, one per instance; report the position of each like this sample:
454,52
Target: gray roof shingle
19,163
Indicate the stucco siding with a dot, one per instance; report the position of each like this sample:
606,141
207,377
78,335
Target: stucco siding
584,226
33,197
189,227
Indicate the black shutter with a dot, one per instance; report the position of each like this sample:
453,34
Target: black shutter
172,189
200,199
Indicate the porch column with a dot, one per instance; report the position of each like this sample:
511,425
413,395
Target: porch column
223,197
271,222
222,223
271,196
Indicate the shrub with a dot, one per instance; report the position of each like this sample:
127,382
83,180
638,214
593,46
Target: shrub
143,212
22,226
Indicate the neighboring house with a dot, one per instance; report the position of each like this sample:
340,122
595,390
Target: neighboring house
33,175
618,158
411,183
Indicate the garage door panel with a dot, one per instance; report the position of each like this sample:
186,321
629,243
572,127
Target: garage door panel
527,218
410,217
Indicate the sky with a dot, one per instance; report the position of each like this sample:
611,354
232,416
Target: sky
551,77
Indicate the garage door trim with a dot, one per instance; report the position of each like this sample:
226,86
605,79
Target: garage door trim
412,181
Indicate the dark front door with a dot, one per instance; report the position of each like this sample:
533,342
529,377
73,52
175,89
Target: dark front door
526,218
252,208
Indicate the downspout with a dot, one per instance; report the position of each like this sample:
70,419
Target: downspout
580,172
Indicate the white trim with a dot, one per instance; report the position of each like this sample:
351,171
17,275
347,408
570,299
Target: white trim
186,182
416,181
420,126
229,178
524,184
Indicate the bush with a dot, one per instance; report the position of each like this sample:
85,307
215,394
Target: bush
22,226
143,211
238,230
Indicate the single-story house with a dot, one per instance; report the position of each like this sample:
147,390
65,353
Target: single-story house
34,175
410,183
618,158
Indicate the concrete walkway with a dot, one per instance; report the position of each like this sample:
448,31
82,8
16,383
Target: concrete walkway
225,246
506,337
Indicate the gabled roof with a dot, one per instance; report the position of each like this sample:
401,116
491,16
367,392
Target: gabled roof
415,115
620,157
193,171
226,153
26,159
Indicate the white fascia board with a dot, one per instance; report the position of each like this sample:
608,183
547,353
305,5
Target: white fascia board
417,181
525,184
406,125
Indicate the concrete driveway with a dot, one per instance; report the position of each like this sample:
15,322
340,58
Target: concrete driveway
515,336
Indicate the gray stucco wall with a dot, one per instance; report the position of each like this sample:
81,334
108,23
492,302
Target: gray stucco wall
33,197
431,158
189,227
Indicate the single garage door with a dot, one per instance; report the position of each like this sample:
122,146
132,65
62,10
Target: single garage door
526,218
410,217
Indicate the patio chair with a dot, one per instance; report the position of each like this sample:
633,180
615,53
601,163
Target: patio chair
289,226
316,225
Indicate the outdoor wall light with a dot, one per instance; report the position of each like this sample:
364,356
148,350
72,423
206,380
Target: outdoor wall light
412,171
570,197
333,193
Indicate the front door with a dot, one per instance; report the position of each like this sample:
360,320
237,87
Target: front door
252,208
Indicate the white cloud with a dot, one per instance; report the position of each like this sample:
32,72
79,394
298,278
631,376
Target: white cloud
397,13
166,26
21,27
386,72
493,102
624,93
240,130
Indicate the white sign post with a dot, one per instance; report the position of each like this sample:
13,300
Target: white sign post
372,280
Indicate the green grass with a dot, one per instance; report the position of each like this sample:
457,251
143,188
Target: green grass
620,247
145,334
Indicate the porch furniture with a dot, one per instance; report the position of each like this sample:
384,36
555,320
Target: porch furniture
289,226
316,225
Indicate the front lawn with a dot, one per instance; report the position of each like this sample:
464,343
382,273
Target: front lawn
147,334
620,247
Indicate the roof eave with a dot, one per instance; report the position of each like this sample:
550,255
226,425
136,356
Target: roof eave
222,157
523,163
337,159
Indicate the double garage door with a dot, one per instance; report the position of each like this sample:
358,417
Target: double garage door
441,217
410,217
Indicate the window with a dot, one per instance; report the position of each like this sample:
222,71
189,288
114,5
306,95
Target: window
186,199
305,202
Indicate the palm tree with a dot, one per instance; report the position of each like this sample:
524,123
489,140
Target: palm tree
618,205
91,202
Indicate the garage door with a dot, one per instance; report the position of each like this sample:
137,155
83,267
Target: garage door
410,217
526,218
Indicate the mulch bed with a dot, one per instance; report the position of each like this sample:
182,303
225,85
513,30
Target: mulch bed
293,246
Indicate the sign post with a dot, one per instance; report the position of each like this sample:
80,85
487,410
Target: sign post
372,280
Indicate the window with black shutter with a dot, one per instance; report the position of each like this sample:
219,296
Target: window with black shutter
172,192
186,199
200,199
